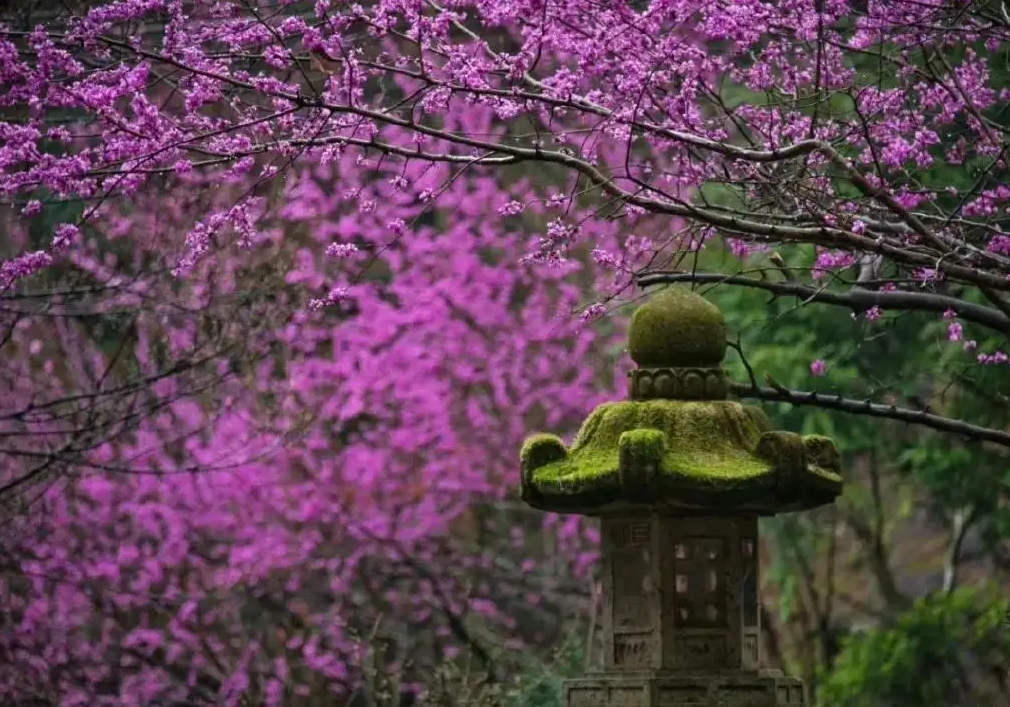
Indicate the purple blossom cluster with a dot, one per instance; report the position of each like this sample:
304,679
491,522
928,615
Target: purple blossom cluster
442,197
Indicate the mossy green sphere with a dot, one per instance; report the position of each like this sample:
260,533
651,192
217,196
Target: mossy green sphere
678,328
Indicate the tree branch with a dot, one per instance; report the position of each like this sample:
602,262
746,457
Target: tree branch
501,153
857,299
880,567
961,523
780,394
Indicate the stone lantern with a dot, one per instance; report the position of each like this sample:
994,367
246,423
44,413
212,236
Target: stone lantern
679,476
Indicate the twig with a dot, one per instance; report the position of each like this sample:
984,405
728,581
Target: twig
780,394
856,299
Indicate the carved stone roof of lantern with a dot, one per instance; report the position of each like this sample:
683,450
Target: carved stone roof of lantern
678,443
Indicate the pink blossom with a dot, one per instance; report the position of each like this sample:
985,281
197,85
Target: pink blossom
828,260
511,208
997,357
449,210
341,250
593,312
335,296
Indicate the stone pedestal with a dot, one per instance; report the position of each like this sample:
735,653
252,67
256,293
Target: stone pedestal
680,593
659,690
681,619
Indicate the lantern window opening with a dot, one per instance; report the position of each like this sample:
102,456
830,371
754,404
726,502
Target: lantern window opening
681,584
747,547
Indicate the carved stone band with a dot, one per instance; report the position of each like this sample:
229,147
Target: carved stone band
678,384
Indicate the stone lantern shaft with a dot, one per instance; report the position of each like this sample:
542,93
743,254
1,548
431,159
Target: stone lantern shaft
680,593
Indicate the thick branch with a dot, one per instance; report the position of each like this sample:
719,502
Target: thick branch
873,543
865,407
857,299
961,523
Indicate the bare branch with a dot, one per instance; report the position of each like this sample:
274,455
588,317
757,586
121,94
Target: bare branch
857,299
780,394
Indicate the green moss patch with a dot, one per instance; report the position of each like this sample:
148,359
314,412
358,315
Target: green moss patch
677,328
670,452
677,452
710,441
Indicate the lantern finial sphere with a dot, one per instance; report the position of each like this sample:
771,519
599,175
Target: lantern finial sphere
677,328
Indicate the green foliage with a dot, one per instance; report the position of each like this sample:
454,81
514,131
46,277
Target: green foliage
789,535
542,685
915,659
921,660
536,683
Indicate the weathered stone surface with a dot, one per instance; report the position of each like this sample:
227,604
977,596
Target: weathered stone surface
680,617
677,328
673,593
679,476
659,690
678,444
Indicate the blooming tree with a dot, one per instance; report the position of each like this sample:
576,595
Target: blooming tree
342,315
101,342
871,133
336,461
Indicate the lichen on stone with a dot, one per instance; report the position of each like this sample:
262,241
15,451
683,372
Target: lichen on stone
643,444
640,456
822,454
783,449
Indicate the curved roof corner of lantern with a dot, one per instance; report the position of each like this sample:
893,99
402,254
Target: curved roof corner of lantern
678,444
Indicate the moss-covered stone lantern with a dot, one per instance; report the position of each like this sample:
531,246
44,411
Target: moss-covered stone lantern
678,476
